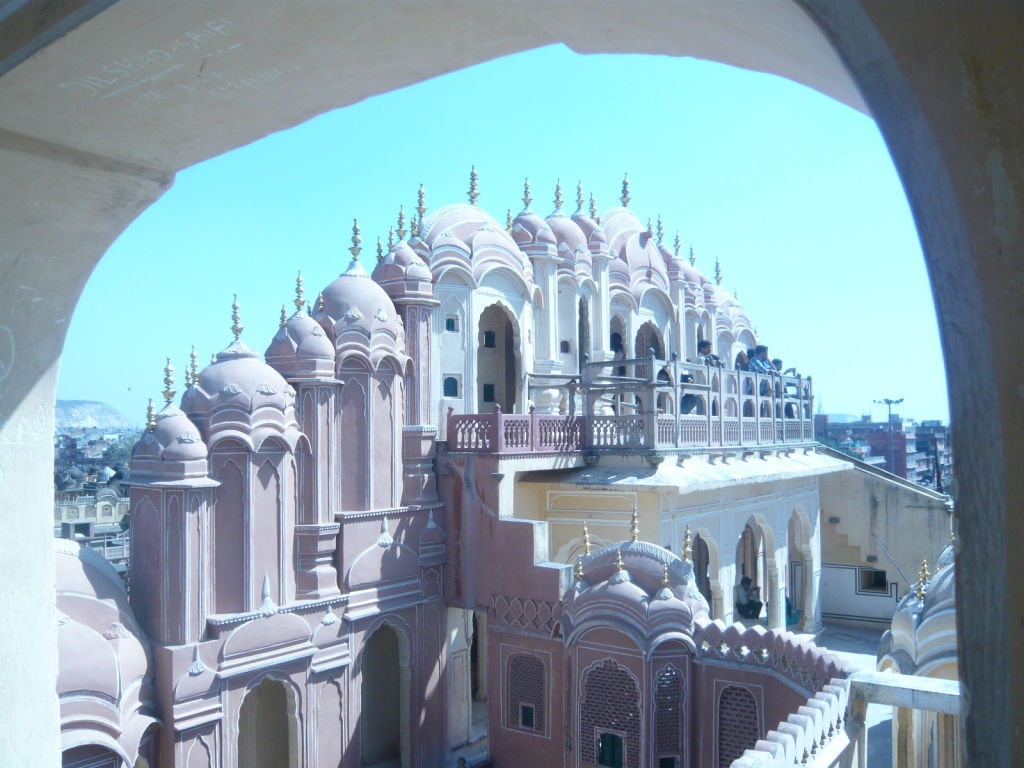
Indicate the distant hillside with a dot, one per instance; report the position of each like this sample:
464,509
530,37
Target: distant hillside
78,414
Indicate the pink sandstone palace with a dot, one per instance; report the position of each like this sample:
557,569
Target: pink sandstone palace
482,505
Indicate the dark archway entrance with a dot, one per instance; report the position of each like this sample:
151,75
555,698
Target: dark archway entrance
381,700
496,361
267,732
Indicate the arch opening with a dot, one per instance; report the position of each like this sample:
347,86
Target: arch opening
268,727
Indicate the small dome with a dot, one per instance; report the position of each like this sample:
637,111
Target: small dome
529,228
592,231
567,231
301,347
355,298
76,473
174,439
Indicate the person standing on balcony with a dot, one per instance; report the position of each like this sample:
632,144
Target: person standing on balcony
704,356
760,363
742,361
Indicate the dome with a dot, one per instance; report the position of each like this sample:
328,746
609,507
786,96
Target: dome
172,449
353,298
400,264
592,231
529,228
76,473
300,347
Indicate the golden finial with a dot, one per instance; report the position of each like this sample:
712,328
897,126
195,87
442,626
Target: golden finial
664,576
150,416
593,208
284,317
168,382
650,227
380,250
421,202
299,291
558,195
526,195
414,227
391,239
676,245
508,221
309,309
474,189
188,377
236,320
356,240
922,579
401,223
634,527
194,365
320,302
618,560
625,191
661,231
693,258
586,540
579,569
687,546
718,271
579,196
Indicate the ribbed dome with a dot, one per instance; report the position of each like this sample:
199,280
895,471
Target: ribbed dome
354,297
174,439
301,347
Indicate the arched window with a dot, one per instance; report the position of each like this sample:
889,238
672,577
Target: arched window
737,724
451,386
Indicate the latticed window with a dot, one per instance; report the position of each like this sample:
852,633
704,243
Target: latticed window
668,697
737,724
525,706
611,705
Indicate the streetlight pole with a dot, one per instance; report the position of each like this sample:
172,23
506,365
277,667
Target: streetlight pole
889,404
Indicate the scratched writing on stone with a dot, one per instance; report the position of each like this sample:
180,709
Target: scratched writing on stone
135,69
224,89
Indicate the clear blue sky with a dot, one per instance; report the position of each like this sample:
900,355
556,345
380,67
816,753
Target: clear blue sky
795,193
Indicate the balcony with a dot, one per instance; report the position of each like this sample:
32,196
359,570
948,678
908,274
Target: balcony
663,406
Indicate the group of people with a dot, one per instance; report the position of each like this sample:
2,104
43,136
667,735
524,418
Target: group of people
754,360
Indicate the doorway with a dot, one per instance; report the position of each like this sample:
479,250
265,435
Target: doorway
496,361
381,714
267,731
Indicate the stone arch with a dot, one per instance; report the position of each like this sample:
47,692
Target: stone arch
229,537
330,731
705,555
499,359
610,702
385,679
802,555
737,724
266,531
268,724
354,450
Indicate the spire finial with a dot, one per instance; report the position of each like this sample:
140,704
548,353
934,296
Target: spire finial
421,203
401,223
474,188
414,227
391,239
168,382
526,195
650,227
676,245
299,291
320,302
236,320
579,570
718,271
188,377
558,195
593,208
150,416
508,221
664,576
625,191
194,365
922,579
284,317
693,258
634,526
586,540
618,561
356,240
579,196
687,546
213,358
380,250
661,231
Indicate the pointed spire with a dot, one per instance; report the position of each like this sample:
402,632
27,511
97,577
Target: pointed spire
384,540
508,221
267,607
687,546
922,580
474,188
150,416
661,231
309,309
558,196
320,302
414,227
625,191
356,240
676,246
380,250
634,526
421,203
391,239
194,365
593,208
621,574
236,320
579,570
299,291
619,567
526,196
401,223
664,576
284,317
169,382
586,540
718,271
188,377
579,197
650,227
693,258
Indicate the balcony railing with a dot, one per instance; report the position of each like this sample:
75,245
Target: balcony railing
673,405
